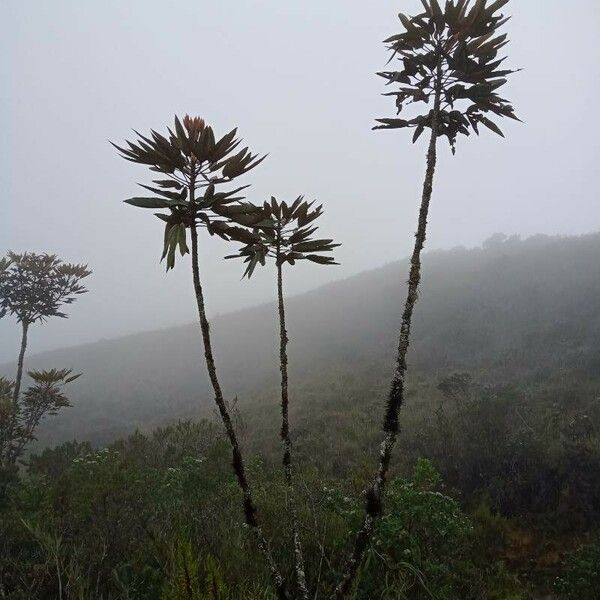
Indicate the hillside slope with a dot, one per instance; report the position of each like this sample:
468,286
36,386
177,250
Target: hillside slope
511,309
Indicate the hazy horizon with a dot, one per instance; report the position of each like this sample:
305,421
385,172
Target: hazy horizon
76,75
498,237
192,321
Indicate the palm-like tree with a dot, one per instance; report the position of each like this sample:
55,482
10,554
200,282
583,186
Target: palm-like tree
448,60
286,237
33,288
193,165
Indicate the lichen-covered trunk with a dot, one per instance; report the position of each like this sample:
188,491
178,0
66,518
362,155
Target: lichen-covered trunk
237,460
287,443
19,377
374,494
238,463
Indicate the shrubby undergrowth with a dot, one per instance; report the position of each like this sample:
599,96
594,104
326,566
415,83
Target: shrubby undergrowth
130,520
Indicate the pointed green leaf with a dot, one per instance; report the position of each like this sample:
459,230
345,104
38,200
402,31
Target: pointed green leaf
491,125
149,202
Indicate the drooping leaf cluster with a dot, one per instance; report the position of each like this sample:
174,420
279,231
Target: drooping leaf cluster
286,236
33,286
453,51
194,163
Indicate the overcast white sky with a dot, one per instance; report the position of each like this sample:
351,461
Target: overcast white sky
298,80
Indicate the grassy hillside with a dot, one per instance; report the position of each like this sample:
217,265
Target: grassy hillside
511,310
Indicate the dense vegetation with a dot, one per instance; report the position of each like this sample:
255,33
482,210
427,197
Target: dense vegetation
505,506
517,456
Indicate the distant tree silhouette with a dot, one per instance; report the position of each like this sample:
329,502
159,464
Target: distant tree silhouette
192,163
286,237
448,58
33,288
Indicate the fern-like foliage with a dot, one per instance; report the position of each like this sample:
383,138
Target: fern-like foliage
192,579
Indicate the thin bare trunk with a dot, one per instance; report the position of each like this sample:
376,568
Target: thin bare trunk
17,390
237,460
287,443
374,494
10,451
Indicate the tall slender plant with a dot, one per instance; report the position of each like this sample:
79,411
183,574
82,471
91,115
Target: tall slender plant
448,60
286,237
192,164
33,288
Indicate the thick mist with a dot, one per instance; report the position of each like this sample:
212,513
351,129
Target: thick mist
298,80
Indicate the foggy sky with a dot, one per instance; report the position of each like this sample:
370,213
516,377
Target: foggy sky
298,80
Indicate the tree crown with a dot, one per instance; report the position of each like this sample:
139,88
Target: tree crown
286,236
18,422
193,160
454,52
33,287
